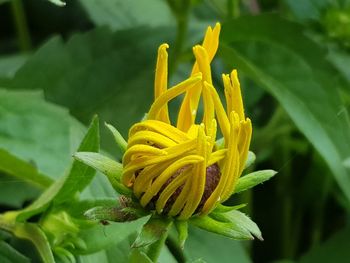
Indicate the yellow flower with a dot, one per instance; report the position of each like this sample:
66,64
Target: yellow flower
179,168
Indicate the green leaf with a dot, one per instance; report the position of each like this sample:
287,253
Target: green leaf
23,115
79,175
335,249
24,171
233,224
101,237
119,14
3,1
209,247
9,186
77,178
138,256
253,179
35,235
8,254
112,169
347,162
151,232
106,54
307,10
99,188
10,64
317,110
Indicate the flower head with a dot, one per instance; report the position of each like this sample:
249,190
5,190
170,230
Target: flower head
180,169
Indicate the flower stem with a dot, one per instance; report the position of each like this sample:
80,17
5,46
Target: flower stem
20,22
175,249
155,249
180,10
233,9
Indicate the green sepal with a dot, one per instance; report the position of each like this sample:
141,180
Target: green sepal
250,159
233,224
125,211
152,231
182,230
253,179
112,169
64,255
115,214
220,144
223,209
119,139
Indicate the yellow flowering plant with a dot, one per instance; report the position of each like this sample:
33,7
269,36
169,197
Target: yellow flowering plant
182,172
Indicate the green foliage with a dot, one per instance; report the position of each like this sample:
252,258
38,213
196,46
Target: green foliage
28,173
209,247
151,232
259,52
8,254
22,115
335,249
75,180
109,167
58,2
119,14
297,60
34,234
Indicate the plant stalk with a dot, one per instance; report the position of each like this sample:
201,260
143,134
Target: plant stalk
181,12
233,10
21,26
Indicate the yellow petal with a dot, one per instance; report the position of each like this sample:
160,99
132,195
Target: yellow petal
188,109
141,150
150,138
220,112
198,178
165,97
181,199
160,127
144,179
171,188
217,156
233,94
140,163
161,80
166,175
228,174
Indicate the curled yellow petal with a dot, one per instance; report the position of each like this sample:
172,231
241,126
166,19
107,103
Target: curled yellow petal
161,80
165,97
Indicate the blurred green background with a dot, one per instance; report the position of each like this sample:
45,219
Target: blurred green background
63,64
